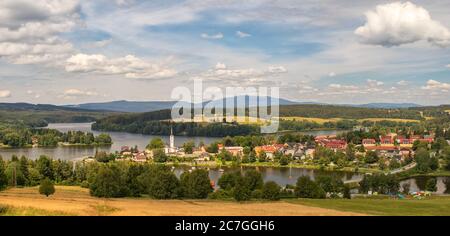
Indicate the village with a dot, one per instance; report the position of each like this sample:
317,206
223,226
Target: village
387,148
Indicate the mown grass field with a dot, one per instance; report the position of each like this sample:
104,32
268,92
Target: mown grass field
70,200
77,201
433,206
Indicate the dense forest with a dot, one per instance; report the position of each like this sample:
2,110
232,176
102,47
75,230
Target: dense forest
186,129
346,112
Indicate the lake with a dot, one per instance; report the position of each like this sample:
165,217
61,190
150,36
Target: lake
73,152
119,139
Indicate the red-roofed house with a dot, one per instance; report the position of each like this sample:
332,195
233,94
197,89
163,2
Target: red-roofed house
369,142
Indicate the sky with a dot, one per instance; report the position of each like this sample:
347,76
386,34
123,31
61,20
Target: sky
341,52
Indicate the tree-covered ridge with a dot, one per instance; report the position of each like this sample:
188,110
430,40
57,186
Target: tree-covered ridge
21,136
41,114
347,112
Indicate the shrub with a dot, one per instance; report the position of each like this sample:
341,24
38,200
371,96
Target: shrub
220,194
196,184
241,191
271,191
431,185
257,194
306,188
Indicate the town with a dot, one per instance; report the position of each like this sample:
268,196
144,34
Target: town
389,151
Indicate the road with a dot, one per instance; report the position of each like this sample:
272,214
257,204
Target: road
396,171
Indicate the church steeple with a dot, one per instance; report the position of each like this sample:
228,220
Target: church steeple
171,139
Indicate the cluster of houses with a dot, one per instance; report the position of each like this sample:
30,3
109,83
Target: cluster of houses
391,145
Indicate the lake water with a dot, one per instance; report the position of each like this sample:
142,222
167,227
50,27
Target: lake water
72,152
281,175
119,139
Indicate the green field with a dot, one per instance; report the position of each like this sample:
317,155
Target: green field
434,206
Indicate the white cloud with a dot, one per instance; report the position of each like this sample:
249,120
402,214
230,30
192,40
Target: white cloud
212,36
340,86
5,93
124,2
277,69
399,23
241,34
29,30
374,83
220,66
402,82
436,85
331,74
77,92
128,66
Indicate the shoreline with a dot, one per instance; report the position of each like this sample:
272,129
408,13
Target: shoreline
213,164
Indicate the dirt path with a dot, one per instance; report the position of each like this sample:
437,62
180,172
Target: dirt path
77,201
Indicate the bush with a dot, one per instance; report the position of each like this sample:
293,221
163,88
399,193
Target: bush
3,209
196,184
160,183
241,191
257,194
220,194
306,188
431,185
46,188
271,191
108,182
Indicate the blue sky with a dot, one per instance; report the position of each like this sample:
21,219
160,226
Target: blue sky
80,51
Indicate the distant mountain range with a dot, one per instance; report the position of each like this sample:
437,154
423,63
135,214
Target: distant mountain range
142,106
147,106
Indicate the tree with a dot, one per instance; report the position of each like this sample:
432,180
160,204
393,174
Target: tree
241,191
155,143
306,188
195,185
46,188
160,183
431,185
330,184
347,193
284,160
108,182
3,178
271,191
371,157
103,139
159,155
44,166
253,179
423,160
189,147
228,180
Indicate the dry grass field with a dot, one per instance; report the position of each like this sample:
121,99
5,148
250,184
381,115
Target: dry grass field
77,201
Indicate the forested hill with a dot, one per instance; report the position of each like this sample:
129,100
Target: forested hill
39,115
348,112
157,122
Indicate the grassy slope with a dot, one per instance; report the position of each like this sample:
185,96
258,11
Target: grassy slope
434,206
77,201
